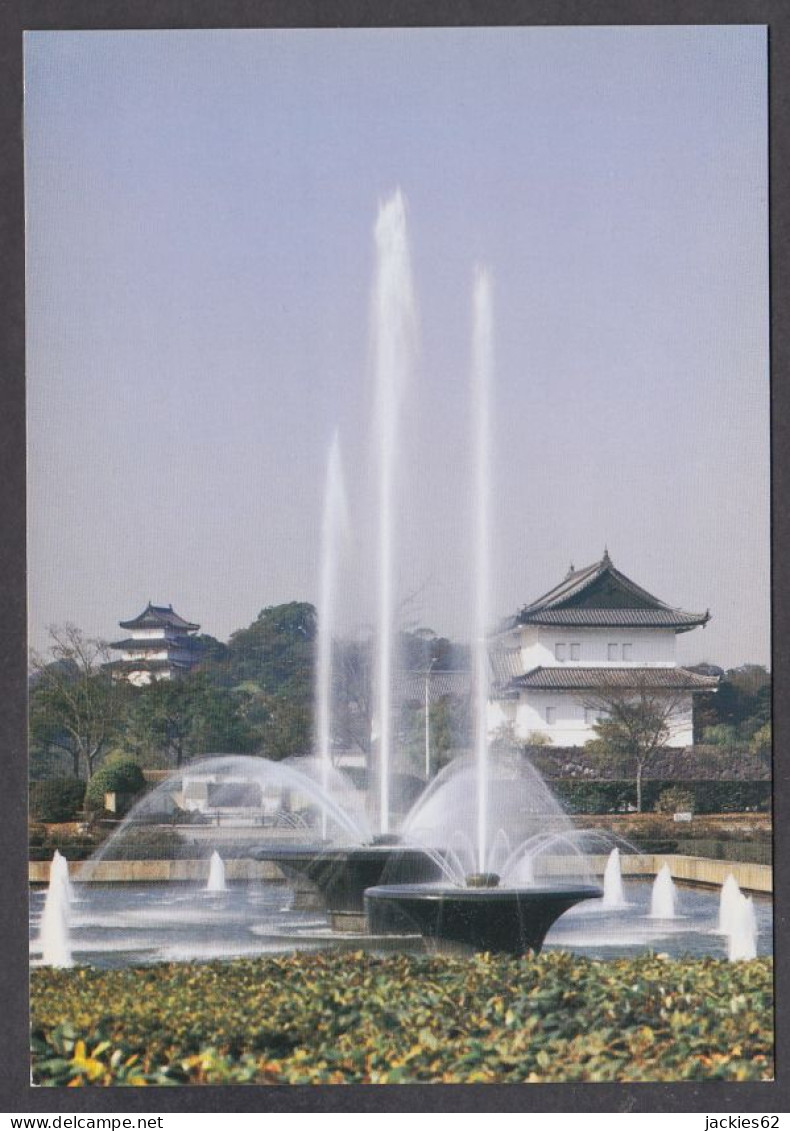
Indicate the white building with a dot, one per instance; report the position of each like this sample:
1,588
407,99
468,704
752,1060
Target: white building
161,645
555,660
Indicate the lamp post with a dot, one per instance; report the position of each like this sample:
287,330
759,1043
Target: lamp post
428,721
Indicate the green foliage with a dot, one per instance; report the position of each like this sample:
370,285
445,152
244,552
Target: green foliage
337,1018
56,799
269,670
75,706
449,731
173,721
761,744
722,734
120,775
741,702
150,842
581,795
675,799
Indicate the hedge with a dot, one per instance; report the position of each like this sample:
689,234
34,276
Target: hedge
581,796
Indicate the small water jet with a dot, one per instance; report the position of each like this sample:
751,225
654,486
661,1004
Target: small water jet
738,921
729,904
742,939
216,874
56,917
613,894
662,900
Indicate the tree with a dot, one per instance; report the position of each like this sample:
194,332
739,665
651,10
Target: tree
119,774
175,720
75,704
742,702
353,692
634,723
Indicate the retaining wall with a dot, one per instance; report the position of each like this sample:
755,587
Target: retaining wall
685,869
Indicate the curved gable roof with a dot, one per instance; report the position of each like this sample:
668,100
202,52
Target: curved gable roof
159,616
601,596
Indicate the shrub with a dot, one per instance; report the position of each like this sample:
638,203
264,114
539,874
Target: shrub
119,774
148,842
335,1018
675,800
56,799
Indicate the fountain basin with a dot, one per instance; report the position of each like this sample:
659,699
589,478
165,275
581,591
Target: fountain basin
500,920
342,875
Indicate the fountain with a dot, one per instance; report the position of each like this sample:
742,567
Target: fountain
662,902
613,895
737,920
55,920
729,904
216,874
394,332
334,519
474,908
742,940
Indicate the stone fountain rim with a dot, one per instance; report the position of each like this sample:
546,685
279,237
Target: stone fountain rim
445,891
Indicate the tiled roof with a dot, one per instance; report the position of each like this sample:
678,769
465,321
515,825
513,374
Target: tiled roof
613,618
601,596
411,684
572,678
159,616
505,664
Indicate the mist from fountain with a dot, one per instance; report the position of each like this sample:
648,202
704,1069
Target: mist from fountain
395,335
335,521
216,874
56,917
525,823
662,900
283,804
482,375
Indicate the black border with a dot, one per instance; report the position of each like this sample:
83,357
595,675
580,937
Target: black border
19,15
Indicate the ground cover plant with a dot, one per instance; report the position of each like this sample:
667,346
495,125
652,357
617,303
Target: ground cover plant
333,1018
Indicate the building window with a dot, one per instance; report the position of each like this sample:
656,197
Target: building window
559,652
628,651
590,716
551,715
611,650
575,651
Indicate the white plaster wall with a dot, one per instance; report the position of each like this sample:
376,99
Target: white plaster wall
148,634
570,727
650,646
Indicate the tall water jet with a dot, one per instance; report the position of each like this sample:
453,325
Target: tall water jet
613,895
55,920
216,874
662,900
334,520
482,373
394,327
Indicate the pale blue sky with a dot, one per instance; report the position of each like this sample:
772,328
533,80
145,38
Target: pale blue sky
200,255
